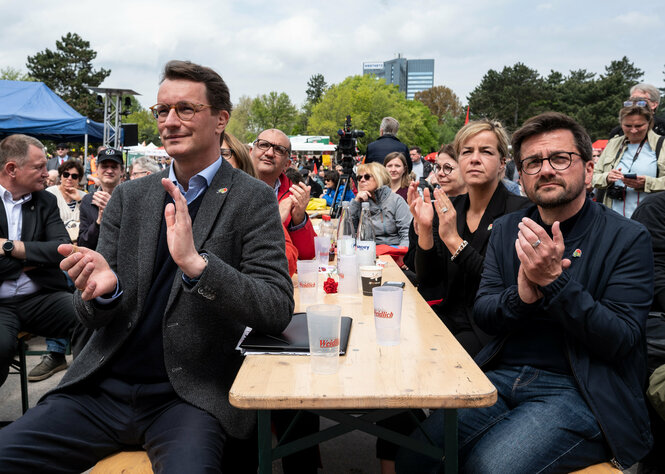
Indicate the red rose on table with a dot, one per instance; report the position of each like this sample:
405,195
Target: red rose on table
330,285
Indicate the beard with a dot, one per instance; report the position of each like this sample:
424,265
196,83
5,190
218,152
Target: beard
568,192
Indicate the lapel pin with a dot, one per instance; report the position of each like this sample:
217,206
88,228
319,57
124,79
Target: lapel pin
577,253
489,227
222,190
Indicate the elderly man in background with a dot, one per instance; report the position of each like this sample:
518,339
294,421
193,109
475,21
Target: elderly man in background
271,155
387,143
143,166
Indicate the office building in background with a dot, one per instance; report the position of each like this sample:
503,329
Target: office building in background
410,75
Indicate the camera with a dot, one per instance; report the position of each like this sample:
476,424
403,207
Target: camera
346,149
616,192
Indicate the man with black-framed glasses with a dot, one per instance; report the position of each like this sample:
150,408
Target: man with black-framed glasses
271,155
565,291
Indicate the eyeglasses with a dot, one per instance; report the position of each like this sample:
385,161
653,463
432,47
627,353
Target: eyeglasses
227,153
65,174
366,177
138,173
264,145
445,169
639,103
184,110
559,161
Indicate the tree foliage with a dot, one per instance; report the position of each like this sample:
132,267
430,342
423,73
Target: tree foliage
368,100
238,126
11,74
147,125
518,92
316,87
68,70
272,110
441,101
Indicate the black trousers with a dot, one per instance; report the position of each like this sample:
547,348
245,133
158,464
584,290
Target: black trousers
48,314
70,431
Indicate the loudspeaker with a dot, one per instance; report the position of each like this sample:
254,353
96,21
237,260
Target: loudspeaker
130,134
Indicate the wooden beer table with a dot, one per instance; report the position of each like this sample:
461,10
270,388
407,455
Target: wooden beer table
428,369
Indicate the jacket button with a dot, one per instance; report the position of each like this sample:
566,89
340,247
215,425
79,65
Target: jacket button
129,325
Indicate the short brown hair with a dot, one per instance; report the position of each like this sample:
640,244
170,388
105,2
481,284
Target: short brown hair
217,91
475,127
71,163
549,122
449,150
15,147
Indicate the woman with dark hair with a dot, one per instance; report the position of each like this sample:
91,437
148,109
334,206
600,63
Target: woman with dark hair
395,163
447,172
69,196
330,180
630,166
453,234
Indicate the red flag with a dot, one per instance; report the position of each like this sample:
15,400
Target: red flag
467,115
315,172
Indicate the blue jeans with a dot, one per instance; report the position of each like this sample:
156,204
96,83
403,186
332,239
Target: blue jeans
56,345
540,423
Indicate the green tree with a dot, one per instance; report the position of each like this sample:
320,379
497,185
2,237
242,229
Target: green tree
368,100
316,87
441,101
272,110
68,70
11,74
147,125
510,96
238,126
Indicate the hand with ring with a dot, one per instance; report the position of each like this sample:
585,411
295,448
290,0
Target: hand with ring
447,220
541,257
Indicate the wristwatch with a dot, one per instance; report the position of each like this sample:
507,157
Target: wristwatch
8,248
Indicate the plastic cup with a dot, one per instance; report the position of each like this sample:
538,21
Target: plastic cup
322,244
347,271
323,328
370,275
387,314
308,280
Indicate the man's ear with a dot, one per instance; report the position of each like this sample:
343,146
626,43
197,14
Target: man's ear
223,120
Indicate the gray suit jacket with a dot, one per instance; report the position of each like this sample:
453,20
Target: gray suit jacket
246,283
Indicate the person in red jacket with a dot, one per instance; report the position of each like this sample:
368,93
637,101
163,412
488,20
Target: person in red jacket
271,153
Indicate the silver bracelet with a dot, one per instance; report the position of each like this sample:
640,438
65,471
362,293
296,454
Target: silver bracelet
459,249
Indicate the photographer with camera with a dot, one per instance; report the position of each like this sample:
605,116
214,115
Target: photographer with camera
630,165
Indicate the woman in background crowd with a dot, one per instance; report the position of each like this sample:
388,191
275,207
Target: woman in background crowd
389,212
395,163
630,166
69,196
235,152
330,180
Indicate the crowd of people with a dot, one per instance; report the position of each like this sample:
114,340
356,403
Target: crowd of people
524,245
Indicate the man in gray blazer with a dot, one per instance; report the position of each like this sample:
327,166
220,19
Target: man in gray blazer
186,259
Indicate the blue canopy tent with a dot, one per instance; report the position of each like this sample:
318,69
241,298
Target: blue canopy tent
33,109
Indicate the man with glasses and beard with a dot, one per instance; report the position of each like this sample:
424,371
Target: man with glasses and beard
566,289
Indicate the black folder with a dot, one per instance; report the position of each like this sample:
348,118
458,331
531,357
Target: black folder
294,340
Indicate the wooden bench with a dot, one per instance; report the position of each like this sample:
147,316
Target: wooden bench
125,462
603,468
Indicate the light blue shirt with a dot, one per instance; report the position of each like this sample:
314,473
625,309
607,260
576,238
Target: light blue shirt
645,165
23,285
197,183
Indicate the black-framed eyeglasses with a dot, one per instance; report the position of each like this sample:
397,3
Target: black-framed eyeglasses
365,176
559,161
66,174
639,103
446,169
226,153
264,145
184,110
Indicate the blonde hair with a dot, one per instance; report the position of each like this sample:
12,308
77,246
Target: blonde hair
472,129
378,172
241,154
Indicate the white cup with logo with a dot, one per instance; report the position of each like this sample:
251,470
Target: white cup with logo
347,271
308,281
323,328
387,314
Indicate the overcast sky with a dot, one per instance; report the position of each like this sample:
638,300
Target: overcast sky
260,46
